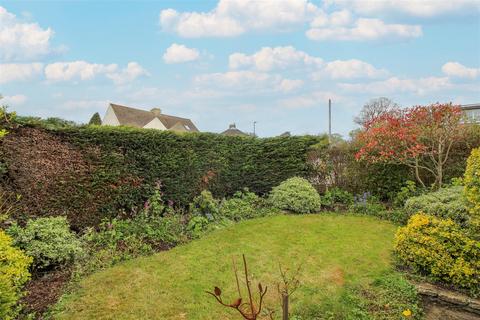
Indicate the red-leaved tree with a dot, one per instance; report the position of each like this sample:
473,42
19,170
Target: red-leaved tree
420,137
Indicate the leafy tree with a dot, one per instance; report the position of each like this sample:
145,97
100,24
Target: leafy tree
420,137
95,120
375,108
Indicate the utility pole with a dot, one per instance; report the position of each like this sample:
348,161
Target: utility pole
330,120
254,123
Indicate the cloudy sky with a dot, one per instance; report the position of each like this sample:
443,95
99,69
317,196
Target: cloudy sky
276,62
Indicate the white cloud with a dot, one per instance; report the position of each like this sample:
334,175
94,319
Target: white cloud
13,101
288,85
22,41
268,58
395,85
133,71
337,18
178,53
248,80
288,58
455,69
234,17
309,100
364,29
10,72
415,8
350,69
85,104
232,79
82,70
76,70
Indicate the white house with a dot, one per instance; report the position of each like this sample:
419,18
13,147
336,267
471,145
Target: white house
472,111
118,115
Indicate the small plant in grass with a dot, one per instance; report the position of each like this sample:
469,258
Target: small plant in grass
296,195
289,284
248,308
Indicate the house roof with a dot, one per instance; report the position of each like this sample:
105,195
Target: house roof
472,106
139,118
233,131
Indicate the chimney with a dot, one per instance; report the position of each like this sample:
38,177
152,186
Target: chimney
156,111
232,126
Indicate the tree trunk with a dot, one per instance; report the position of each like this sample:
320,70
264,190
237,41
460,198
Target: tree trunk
285,306
417,174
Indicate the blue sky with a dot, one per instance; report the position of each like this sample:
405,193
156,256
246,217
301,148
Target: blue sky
276,62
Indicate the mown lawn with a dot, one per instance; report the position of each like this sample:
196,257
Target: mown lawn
336,251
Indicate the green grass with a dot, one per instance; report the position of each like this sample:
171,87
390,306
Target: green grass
337,252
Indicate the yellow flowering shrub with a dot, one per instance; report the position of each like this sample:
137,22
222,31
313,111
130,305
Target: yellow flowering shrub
472,181
13,275
440,249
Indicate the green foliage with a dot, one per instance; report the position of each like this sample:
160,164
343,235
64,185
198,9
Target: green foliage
370,205
95,120
336,199
334,166
367,205
52,123
116,168
245,205
197,226
409,190
440,249
386,298
383,180
119,240
48,240
296,195
472,183
14,274
444,203
205,205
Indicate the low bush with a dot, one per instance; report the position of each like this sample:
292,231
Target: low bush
119,240
14,274
408,191
296,195
197,226
245,205
205,205
444,203
367,204
472,182
48,240
336,199
440,249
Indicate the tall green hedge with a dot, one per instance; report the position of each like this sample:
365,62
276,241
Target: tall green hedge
92,172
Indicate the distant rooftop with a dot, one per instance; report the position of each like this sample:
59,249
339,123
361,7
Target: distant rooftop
233,131
471,106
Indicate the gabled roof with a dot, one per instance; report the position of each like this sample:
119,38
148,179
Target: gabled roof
233,131
139,118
